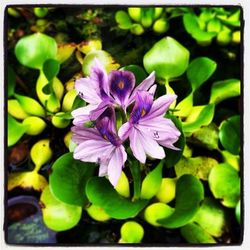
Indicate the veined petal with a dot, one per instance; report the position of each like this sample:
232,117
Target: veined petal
93,150
99,76
116,163
150,146
143,86
82,115
81,134
88,90
94,114
160,106
121,86
125,130
152,90
103,169
136,146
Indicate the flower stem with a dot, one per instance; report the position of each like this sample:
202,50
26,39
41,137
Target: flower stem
136,174
124,117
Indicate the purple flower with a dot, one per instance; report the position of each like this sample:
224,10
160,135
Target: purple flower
101,90
147,128
102,145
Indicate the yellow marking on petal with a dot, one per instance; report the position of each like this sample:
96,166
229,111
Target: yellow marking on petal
143,112
121,85
105,137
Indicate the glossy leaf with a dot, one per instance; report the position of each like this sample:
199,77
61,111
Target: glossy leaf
173,156
200,70
193,233
168,58
189,194
138,71
123,20
197,166
152,182
51,68
223,90
224,182
212,217
101,193
230,134
57,215
201,116
64,51
15,130
70,190
132,232
33,50
11,81
184,107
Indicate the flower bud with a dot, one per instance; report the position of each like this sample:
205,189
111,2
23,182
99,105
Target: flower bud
16,110
97,213
60,122
131,232
166,192
41,152
34,124
157,211
122,186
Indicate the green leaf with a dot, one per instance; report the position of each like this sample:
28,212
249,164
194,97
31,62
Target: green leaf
70,190
51,68
15,130
230,134
168,58
189,194
238,212
101,193
223,90
138,71
224,183
173,156
57,215
193,233
212,217
33,50
11,81
184,107
123,20
132,232
147,17
197,166
201,116
152,182
200,70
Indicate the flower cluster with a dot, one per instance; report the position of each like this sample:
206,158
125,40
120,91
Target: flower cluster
146,127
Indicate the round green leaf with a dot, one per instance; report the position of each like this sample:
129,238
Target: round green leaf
51,68
152,182
33,50
230,134
200,70
101,193
223,90
173,156
168,58
193,233
15,130
11,81
57,215
68,179
224,183
123,20
189,194
212,217
138,71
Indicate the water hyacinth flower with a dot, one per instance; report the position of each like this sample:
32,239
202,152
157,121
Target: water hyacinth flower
101,91
101,145
147,128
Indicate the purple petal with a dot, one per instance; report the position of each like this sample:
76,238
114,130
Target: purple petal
152,90
143,86
160,106
116,163
93,150
136,146
94,114
99,76
150,146
125,130
121,86
82,115
81,134
103,169
143,104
